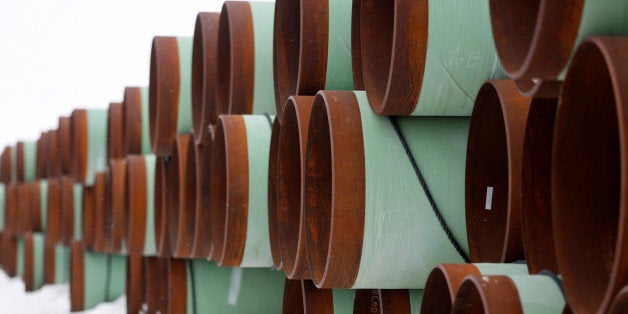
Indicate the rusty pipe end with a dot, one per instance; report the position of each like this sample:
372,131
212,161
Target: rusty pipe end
356,46
393,88
77,277
132,121
493,168
80,140
87,224
334,142
64,142
66,187
487,294
134,286
115,125
136,197
235,46
589,175
118,209
195,176
229,185
300,49
180,198
162,236
99,211
291,174
163,94
272,195
442,285
53,220
301,296
204,75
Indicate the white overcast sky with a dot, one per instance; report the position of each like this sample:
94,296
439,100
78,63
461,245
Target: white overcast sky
64,54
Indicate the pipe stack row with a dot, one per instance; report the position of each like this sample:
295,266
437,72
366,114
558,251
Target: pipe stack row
343,156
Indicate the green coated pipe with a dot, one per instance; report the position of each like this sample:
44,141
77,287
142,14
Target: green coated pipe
26,161
39,203
361,232
20,257
240,157
426,58
236,290
89,138
62,264
263,92
141,173
116,281
77,191
34,261
136,136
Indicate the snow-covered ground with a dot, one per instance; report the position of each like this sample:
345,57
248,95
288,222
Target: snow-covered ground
50,299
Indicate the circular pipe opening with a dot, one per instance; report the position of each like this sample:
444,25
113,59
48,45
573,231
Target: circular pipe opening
236,46
272,195
194,195
536,198
52,164
492,190
393,40
316,300
35,201
588,177
115,149
136,200
487,294
163,94
442,284
79,131
203,238
469,299
67,209
132,121
291,178
88,217
180,199
64,133
292,297
161,215
204,73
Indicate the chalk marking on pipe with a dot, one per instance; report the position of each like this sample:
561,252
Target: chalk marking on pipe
489,198
234,289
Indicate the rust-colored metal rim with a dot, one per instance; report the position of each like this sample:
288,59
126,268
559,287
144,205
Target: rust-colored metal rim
35,207
272,195
236,60
536,206
6,161
620,303
163,94
10,223
53,220
442,285
291,174
42,155
197,168
204,73
132,120
177,285
66,187
29,262
79,144
52,164
77,277
64,142
589,175
108,213
382,301
137,202
162,237
156,292
49,261
229,185
534,39
334,204
115,124
300,49
9,254
393,45
180,198
23,213
119,207
487,294
87,225
356,45
99,212
493,168
134,283
19,162
301,296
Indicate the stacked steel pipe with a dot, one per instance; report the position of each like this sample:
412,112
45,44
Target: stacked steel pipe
374,152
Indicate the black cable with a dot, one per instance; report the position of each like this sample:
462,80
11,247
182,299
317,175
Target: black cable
270,120
426,189
189,264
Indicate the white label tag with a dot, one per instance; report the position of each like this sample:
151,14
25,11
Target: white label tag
489,198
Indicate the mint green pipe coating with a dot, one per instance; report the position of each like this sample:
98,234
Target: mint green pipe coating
38,260
339,64
498,269
150,243
460,56
600,17
257,248
117,276
30,157
236,290
3,195
96,143
20,257
62,264
416,298
184,117
95,279
263,88
403,239
538,294
77,189
145,123
343,300
43,203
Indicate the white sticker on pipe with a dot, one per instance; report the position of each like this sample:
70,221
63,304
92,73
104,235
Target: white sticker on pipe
489,198
234,290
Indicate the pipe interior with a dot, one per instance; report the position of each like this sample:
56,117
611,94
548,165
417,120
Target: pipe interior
223,93
469,299
160,203
198,77
587,179
436,295
487,184
153,94
173,185
289,188
287,49
189,193
292,297
319,182
514,24
218,190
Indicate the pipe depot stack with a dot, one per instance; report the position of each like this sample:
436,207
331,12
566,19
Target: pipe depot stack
338,156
